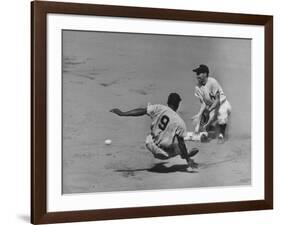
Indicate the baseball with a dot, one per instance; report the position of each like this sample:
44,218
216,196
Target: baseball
107,141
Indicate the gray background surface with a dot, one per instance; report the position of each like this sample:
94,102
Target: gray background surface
105,70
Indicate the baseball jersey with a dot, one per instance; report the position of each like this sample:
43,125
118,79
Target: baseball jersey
166,124
208,91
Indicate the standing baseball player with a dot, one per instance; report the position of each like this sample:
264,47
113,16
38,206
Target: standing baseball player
168,130
214,106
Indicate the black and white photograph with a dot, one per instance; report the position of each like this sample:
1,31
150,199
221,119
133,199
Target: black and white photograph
147,112
154,111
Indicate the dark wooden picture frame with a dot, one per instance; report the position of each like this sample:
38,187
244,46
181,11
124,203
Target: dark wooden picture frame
39,11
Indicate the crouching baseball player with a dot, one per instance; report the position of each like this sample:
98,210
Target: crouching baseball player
214,106
168,130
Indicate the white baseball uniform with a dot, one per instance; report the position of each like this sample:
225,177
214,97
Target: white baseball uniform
166,125
207,93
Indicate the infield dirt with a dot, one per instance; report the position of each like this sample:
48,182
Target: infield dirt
108,70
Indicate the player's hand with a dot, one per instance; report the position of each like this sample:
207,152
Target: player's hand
116,111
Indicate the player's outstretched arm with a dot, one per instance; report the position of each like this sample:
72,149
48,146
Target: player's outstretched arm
198,94
215,106
197,118
133,112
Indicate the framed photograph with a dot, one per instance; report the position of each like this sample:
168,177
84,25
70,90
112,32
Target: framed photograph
145,112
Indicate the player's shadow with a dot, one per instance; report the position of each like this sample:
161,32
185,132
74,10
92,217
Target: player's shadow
162,168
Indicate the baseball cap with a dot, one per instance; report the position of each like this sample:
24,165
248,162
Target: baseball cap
174,98
201,69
